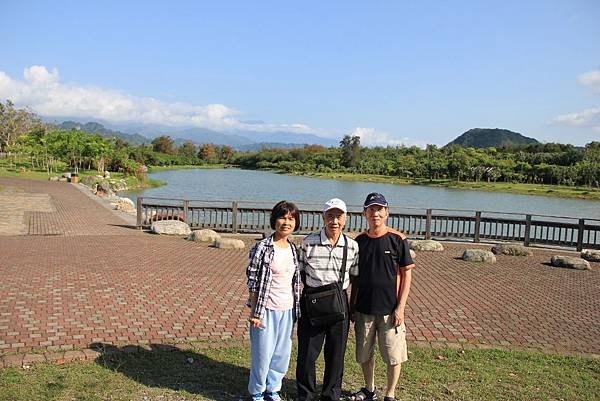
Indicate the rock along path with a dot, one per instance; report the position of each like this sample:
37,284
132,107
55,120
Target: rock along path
75,273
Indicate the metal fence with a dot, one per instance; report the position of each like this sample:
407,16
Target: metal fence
251,217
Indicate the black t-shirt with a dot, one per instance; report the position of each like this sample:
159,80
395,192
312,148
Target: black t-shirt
378,264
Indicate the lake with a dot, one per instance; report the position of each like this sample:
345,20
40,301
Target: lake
250,185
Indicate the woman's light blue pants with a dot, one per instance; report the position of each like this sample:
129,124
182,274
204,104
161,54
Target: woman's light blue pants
270,348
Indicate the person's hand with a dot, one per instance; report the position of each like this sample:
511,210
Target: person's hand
398,316
255,322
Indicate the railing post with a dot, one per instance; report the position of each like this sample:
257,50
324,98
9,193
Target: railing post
580,230
477,226
428,225
186,206
527,238
234,207
139,212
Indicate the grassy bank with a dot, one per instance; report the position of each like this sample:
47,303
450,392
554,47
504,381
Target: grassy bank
132,182
523,189
25,172
222,374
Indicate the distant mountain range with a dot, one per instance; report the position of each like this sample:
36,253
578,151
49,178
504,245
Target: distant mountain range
253,140
241,140
488,137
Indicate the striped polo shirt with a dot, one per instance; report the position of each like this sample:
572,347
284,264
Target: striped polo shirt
322,262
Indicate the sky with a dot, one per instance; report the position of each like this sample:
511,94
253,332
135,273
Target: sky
392,72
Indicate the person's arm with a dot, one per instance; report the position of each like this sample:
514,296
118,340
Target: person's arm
354,287
302,251
253,267
254,320
353,295
405,277
252,272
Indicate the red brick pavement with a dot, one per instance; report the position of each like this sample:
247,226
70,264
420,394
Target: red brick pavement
99,282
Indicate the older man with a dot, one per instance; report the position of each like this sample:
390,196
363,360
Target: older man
379,296
321,257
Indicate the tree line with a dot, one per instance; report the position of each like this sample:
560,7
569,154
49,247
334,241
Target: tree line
24,136
549,163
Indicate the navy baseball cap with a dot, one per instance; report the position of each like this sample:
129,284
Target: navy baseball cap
375,198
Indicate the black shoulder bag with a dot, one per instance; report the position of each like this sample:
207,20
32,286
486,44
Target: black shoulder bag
326,304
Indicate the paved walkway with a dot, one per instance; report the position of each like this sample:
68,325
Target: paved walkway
83,276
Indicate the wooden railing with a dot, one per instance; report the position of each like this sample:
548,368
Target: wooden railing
248,217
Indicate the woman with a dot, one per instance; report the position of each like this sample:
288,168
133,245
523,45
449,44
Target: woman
273,284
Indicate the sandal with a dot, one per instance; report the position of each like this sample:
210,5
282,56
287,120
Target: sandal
363,395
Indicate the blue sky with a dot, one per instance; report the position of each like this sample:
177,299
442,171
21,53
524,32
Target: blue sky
391,71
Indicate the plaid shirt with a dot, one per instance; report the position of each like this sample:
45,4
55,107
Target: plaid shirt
259,275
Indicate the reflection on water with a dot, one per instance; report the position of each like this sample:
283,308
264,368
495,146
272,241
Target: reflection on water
232,184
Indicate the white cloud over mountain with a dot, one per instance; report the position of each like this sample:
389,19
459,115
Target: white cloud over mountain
41,90
372,137
590,117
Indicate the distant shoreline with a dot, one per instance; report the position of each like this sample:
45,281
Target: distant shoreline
559,191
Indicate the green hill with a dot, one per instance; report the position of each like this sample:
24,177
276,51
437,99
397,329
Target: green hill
488,137
97,128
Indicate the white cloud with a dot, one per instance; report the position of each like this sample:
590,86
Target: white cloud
591,79
587,118
371,137
39,75
42,91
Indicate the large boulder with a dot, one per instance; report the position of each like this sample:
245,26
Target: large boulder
511,249
118,185
426,245
570,262
591,255
229,243
171,227
88,180
124,204
478,255
204,236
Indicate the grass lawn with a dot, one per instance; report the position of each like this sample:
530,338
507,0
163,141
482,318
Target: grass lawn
222,374
8,170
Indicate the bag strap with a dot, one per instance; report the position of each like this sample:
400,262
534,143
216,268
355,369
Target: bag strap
344,259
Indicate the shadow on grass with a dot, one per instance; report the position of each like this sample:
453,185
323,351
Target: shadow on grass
166,366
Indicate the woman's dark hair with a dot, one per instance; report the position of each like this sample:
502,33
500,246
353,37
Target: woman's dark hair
281,209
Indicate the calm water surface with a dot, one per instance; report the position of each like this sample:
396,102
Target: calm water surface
232,184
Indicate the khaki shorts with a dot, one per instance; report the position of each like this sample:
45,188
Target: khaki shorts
391,340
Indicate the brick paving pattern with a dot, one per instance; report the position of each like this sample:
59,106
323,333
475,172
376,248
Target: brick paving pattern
82,277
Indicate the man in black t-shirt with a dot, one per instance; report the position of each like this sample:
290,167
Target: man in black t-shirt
378,298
